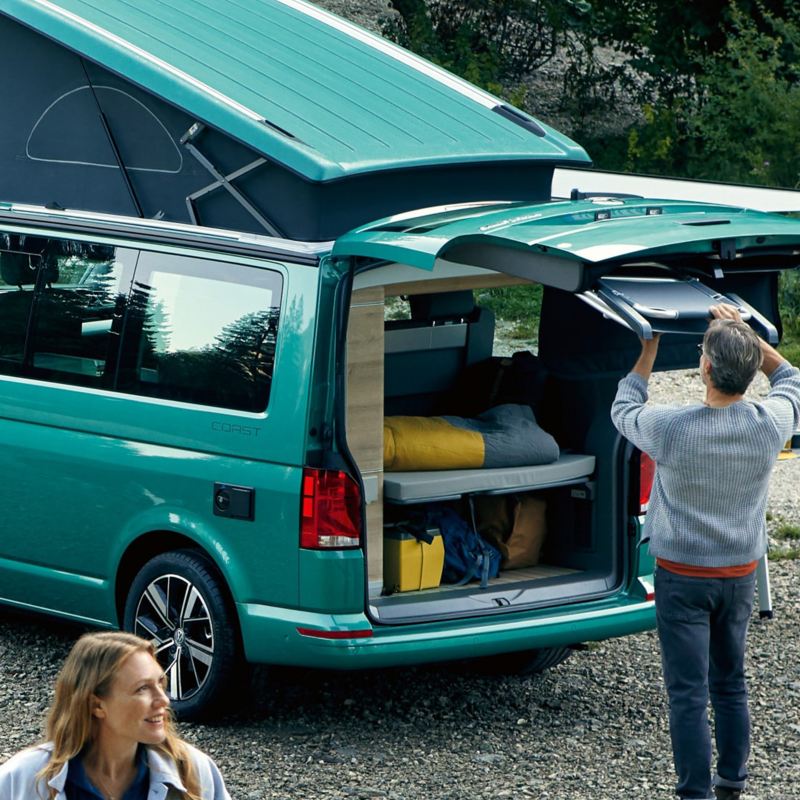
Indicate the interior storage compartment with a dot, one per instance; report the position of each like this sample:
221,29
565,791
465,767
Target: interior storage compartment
425,366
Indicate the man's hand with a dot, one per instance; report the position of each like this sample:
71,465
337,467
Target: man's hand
725,311
651,344
772,358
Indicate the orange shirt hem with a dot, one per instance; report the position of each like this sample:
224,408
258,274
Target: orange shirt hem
737,571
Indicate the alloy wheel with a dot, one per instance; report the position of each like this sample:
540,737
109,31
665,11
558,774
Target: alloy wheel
173,614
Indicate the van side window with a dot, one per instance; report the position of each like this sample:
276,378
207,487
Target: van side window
80,301
201,331
18,271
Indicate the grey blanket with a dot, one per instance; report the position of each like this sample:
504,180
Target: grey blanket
511,436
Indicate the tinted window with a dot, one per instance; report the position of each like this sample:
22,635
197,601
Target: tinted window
59,301
201,332
74,333
20,262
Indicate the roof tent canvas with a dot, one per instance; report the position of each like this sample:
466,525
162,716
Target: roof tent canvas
269,116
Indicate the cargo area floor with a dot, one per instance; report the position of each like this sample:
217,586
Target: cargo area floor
539,572
543,585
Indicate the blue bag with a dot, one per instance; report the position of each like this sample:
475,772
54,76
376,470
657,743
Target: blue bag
466,554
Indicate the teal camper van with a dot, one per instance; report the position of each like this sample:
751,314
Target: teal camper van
206,208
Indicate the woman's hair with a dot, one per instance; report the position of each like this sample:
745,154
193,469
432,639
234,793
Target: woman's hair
734,352
90,669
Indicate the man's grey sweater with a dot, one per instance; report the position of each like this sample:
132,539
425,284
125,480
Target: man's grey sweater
713,465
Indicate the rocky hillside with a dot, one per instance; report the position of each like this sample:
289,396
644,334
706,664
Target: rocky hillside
370,14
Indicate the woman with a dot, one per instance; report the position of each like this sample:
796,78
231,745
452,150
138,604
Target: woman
110,734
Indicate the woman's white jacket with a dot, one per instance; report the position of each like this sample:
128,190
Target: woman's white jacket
18,776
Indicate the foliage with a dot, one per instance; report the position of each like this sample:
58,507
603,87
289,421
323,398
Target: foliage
723,105
488,42
789,300
791,554
717,84
512,303
790,348
789,304
788,530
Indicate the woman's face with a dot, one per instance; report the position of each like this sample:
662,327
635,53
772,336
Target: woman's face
135,707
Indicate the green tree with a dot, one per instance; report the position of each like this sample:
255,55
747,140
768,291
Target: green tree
489,42
746,127
723,109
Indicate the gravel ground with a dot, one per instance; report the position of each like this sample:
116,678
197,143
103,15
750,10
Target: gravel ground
593,727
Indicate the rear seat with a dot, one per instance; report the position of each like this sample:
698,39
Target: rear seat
425,354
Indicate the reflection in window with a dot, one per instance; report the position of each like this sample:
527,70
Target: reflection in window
18,271
77,316
58,300
205,338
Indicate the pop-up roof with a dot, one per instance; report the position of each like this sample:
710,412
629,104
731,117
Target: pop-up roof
321,99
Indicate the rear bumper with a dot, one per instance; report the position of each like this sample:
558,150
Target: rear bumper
271,634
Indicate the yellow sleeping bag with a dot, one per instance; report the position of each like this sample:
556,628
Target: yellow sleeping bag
422,443
504,436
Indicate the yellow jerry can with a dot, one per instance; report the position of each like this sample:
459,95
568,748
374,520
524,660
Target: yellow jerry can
409,563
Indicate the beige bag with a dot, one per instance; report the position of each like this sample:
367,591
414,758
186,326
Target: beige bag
515,525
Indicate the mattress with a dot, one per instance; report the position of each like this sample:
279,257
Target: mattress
422,486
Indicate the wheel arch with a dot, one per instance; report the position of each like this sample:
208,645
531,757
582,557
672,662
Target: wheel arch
152,544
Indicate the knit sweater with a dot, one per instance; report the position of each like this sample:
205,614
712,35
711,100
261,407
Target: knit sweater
713,465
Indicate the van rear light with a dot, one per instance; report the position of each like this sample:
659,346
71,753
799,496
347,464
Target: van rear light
330,510
647,472
648,588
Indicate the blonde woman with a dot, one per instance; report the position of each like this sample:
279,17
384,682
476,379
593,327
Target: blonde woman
110,734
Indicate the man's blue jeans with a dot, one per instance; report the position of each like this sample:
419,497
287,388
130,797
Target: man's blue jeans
702,627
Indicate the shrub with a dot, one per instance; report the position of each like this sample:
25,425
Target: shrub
787,530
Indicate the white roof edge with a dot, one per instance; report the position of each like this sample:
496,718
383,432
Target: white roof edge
759,198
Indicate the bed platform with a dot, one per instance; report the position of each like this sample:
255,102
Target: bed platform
432,486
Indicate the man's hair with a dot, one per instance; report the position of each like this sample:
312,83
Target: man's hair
734,351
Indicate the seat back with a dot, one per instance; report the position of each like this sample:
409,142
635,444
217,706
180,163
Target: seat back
425,354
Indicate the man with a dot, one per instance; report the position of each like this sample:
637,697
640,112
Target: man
707,531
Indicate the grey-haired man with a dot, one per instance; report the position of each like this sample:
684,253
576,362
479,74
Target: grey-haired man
707,530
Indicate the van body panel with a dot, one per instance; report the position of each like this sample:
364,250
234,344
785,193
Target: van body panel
115,490
59,613
438,641
74,596
119,466
331,582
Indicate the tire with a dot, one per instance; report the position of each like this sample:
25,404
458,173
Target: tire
525,662
179,602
